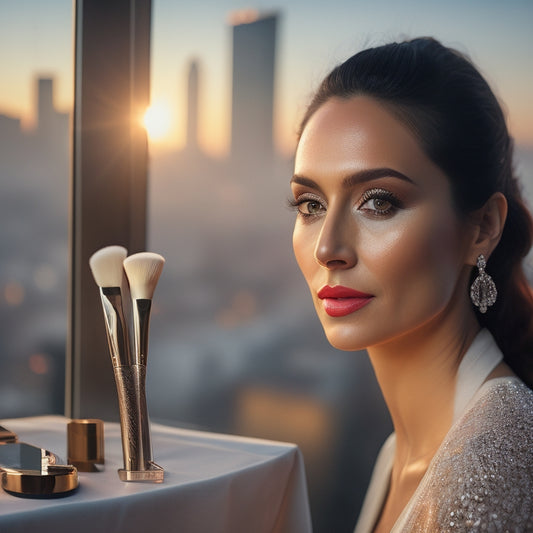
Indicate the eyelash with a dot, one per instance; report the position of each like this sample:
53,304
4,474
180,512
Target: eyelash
371,194
303,199
380,194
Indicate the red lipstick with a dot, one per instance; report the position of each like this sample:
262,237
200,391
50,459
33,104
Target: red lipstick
341,301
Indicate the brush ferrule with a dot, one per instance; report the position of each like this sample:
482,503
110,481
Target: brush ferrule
111,291
116,328
141,316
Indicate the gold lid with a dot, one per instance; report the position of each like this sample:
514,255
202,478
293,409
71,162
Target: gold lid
58,480
85,444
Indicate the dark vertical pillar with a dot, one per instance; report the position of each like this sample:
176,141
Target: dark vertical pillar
109,183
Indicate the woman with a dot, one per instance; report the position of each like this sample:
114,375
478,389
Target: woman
410,232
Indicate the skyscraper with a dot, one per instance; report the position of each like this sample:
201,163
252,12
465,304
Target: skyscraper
254,61
192,107
45,103
51,124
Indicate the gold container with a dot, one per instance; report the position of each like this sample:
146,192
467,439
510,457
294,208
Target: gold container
58,480
85,444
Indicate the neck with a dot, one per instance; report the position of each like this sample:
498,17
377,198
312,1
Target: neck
417,374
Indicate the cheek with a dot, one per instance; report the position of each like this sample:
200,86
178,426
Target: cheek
303,243
420,257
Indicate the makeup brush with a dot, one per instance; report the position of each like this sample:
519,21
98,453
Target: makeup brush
143,271
107,268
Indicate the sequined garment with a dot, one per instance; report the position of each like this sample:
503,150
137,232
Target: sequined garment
481,478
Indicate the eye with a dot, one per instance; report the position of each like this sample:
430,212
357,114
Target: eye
379,202
308,206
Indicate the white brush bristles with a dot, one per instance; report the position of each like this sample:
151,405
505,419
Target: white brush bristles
143,271
106,266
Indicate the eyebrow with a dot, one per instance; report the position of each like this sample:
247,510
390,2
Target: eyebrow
358,177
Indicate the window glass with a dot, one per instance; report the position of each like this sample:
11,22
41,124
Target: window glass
235,346
36,56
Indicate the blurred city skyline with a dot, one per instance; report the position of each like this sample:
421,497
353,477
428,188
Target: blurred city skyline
312,38
235,343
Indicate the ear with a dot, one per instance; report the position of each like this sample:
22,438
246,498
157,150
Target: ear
488,222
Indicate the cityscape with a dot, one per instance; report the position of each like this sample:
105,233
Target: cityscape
235,345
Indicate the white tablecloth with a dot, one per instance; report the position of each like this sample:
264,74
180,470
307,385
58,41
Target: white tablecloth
213,484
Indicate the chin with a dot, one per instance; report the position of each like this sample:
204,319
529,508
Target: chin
345,339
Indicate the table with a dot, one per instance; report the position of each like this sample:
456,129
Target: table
213,484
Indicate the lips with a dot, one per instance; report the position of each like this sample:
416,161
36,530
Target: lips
341,301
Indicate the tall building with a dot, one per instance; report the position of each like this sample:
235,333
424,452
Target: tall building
51,124
192,107
45,103
254,62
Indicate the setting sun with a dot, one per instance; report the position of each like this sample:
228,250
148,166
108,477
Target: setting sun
157,121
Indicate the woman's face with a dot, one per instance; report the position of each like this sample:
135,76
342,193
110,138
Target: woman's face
376,234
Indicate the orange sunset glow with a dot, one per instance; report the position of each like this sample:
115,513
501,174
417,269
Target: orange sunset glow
157,120
180,32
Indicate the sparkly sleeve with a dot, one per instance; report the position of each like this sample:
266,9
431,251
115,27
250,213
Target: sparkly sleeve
482,477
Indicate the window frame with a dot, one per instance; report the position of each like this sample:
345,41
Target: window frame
108,196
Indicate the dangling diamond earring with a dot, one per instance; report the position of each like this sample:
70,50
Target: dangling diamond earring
483,291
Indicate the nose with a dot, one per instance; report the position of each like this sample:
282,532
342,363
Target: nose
335,247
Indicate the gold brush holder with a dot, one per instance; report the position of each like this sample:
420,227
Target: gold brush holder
135,426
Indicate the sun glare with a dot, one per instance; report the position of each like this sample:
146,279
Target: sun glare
157,121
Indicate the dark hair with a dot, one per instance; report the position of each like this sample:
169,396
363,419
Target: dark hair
444,100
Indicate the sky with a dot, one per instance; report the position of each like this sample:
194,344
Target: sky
36,38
